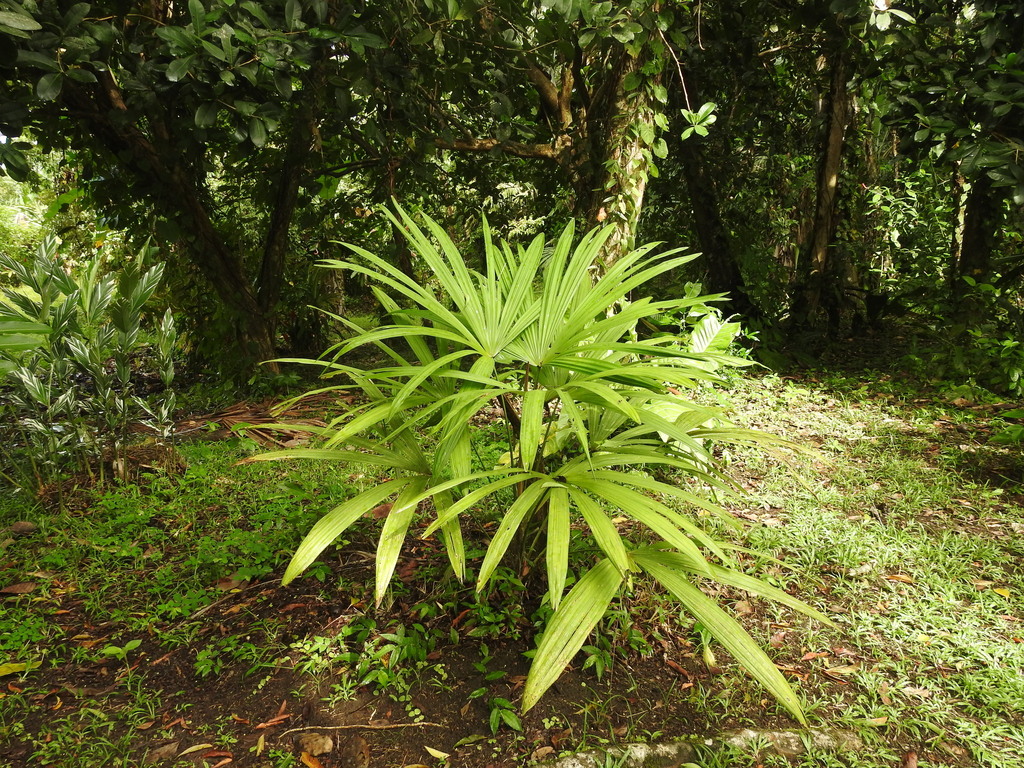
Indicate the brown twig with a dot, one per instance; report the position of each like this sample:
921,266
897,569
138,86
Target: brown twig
214,604
366,727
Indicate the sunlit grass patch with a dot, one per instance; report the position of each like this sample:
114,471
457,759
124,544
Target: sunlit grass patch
920,565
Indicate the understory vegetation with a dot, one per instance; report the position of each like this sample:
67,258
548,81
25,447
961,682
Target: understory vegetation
151,614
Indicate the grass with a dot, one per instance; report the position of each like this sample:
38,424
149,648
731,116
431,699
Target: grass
904,527
921,567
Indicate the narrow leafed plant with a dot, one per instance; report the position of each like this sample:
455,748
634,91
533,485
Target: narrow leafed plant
69,343
597,419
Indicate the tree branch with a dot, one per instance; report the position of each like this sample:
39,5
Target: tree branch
533,151
556,101
546,88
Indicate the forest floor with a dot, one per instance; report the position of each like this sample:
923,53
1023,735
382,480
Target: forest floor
145,622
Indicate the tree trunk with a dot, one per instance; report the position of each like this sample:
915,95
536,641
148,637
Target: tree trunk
303,139
611,181
175,194
723,271
980,212
956,240
598,144
275,249
222,268
815,293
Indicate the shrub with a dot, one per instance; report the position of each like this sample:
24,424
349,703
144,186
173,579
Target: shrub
594,418
69,345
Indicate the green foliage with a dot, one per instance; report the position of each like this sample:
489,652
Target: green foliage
255,88
959,82
590,417
698,122
982,348
20,217
69,346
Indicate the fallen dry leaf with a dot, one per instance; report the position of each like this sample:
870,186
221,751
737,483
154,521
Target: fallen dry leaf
407,570
229,583
883,692
952,749
23,528
162,659
815,655
13,669
743,608
541,752
354,753
316,743
196,748
381,511
21,588
310,761
846,669
678,668
277,719
910,760
924,693
901,578
557,738
161,753
778,639
273,721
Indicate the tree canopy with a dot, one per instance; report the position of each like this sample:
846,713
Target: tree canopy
831,161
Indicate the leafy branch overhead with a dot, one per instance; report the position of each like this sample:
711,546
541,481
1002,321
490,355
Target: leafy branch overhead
162,97
592,412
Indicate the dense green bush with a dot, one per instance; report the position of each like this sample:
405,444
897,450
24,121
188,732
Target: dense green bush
594,417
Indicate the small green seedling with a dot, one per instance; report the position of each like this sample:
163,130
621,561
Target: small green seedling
120,652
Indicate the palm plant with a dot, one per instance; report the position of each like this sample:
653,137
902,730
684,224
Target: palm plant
595,417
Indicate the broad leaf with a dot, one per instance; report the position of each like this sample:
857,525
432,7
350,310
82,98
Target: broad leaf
392,535
557,543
